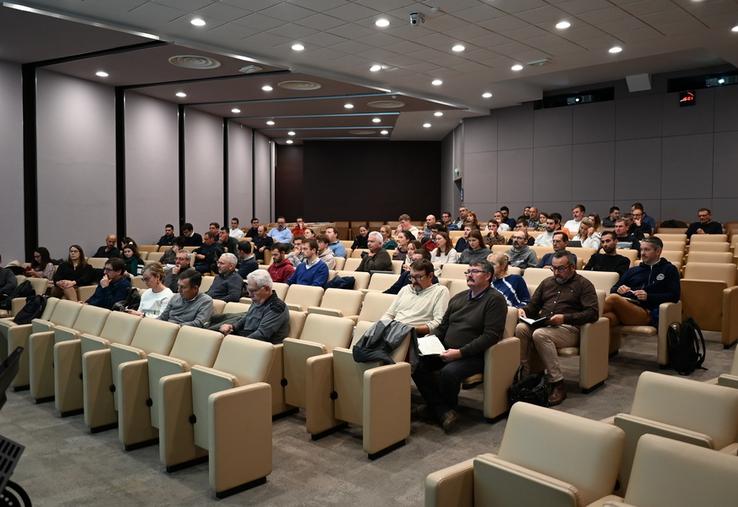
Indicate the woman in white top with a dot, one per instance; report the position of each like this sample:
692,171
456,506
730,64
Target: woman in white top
588,234
155,299
444,253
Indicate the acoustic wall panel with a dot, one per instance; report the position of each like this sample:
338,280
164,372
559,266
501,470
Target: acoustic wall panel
726,109
480,177
552,173
552,127
481,135
638,169
515,168
725,172
638,117
696,119
593,171
240,173
594,122
515,127
263,175
203,169
11,163
687,167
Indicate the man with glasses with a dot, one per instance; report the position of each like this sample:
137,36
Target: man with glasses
227,285
647,219
567,300
189,307
705,225
280,233
521,255
560,242
473,322
640,226
268,318
609,259
114,285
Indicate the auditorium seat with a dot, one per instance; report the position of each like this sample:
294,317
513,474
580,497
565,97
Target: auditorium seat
710,296
382,281
340,263
300,297
710,238
40,285
631,254
730,379
682,409
709,246
138,382
339,303
671,230
677,246
374,306
546,457
669,313
673,256
534,276
358,251
207,281
720,257
454,285
455,271
97,262
351,264
671,236
583,255
361,279
602,280
150,248
397,267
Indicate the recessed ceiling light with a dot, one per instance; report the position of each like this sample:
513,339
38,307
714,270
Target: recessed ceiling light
427,125
270,123
298,47
458,48
291,133
734,29
562,25
197,22
438,114
375,68
181,95
267,88
487,95
384,132
348,105
516,68
235,110
101,73
721,80
436,82
382,23
290,141
376,120
615,50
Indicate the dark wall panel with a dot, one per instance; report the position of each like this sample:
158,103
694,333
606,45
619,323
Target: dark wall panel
288,182
370,180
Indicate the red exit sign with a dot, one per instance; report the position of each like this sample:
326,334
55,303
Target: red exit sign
687,98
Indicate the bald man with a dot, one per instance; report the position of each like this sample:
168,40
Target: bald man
109,249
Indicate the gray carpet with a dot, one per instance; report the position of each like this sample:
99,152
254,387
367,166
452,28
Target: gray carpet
64,465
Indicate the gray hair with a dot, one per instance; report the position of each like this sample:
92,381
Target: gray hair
376,235
229,258
261,278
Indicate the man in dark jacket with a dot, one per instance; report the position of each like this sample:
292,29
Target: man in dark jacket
109,249
705,224
113,287
168,238
246,259
8,283
609,260
635,299
227,284
208,253
377,259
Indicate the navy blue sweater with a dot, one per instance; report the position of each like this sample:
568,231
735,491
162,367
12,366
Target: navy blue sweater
660,281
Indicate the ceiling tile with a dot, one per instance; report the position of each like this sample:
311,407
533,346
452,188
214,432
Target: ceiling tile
320,21
222,11
581,6
352,12
259,21
323,39
185,5
293,31
504,23
547,16
287,12
382,40
318,5
254,5
479,13
266,40
467,32
351,31
384,5
514,6
154,14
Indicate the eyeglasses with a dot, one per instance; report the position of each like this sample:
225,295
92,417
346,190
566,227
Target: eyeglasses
106,269
418,277
559,269
473,271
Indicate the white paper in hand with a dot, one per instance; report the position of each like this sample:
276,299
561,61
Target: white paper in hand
430,346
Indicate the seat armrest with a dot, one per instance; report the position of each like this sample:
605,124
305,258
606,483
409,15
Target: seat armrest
90,342
728,380
452,485
386,406
62,333
176,363
669,313
295,307
16,305
319,383
221,378
729,327
85,292
594,345
122,353
501,362
38,325
325,311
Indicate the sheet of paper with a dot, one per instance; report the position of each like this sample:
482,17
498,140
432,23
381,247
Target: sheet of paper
430,345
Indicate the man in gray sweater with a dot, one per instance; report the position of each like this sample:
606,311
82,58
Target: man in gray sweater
189,307
228,284
473,322
520,255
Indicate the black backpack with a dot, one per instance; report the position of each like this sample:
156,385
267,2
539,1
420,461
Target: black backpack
24,290
33,309
531,388
686,346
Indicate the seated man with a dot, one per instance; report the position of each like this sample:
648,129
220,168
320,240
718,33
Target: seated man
473,322
281,269
191,238
280,233
609,259
640,227
254,229
612,217
312,271
404,278
705,225
560,242
324,251
181,263
334,244
522,225
377,258
268,318
521,255
208,253
647,219
114,285
109,249
189,307
235,232
246,259
624,238
553,224
168,238
226,242
568,300
534,219
228,284
421,304
295,256
170,254
635,299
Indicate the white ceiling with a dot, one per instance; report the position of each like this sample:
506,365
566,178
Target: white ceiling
342,42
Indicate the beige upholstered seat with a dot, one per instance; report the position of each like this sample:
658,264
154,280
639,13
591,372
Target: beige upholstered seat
357,253
232,307
694,412
149,247
667,473
97,262
223,412
39,287
281,289
708,238
710,296
339,303
631,254
534,276
207,282
397,267
454,271
721,257
664,236
300,297
351,264
602,280
673,256
99,368
730,379
669,313
374,306
709,246
583,254
546,458
138,380
382,281
340,263
218,306
361,278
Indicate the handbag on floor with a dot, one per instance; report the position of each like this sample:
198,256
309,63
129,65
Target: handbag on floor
531,388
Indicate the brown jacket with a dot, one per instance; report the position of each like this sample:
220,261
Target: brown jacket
576,300
379,262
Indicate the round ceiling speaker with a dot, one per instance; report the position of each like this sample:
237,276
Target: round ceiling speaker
250,69
299,86
362,132
196,62
386,104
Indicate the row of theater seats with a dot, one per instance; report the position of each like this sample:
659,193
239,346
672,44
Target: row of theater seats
676,447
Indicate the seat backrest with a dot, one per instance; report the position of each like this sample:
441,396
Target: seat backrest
671,236
455,271
723,272
455,286
511,321
120,327
676,246
218,306
580,451
49,310
232,307
39,285
97,262
669,473
347,301
723,257
358,252
154,335
304,295
709,246
696,406
137,281
351,264
382,281
196,346
541,250
534,276
375,304
583,253
708,238
631,254
65,313
361,278
397,267
246,359
91,319
512,270
603,280
340,262
326,330
207,282
670,255
281,289
500,249
297,322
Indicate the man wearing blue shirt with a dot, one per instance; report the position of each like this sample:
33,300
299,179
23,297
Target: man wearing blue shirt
281,234
336,246
312,270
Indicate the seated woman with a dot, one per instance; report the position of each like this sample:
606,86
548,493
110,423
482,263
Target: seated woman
41,267
412,247
309,233
403,239
471,220
588,234
513,287
263,242
389,243
492,236
461,243
155,299
132,259
360,241
443,253
73,273
476,251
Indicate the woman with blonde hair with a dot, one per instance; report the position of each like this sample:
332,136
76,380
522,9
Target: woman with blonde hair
588,234
513,287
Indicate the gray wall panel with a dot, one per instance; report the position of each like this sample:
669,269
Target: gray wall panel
151,167
515,127
638,161
696,119
239,173
263,174
515,168
594,122
726,108
687,167
552,127
76,162
447,170
684,209
593,171
484,210
480,177
11,163
723,210
725,175
552,173
638,116
482,134
203,169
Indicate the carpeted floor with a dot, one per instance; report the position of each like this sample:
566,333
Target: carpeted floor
64,465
